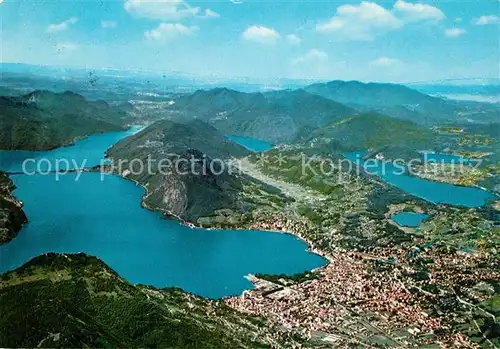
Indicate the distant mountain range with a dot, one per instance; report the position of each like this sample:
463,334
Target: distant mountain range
401,102
282,116
292,115
44,120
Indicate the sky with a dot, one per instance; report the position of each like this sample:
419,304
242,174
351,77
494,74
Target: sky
393,41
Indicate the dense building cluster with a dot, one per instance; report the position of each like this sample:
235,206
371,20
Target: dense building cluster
378,297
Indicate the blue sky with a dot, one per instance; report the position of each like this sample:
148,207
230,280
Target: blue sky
396,41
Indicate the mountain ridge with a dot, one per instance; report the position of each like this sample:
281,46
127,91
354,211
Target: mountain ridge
399,101
372,130
44,120
289,113
76,300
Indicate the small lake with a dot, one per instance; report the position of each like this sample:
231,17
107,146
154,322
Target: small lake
252,144
101,215
436,192
409,219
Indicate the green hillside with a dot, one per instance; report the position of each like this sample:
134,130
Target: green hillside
371,130
282,116
402,102
166,136
76,301
45,120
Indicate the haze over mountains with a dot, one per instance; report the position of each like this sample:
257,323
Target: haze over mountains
278,116
291,115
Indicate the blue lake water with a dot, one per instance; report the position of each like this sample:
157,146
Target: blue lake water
435,192
86,152
105,219
252,144
409,219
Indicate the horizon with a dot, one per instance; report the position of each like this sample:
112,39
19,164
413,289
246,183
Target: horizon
480,80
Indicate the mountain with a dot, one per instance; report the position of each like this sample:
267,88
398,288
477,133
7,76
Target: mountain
44,120
166,136
188,178
193,186
205,104
75,301
401,102
282,116
12,216
372,130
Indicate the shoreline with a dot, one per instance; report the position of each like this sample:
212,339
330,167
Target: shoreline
66,144
256,226
475,186
14,209
170,216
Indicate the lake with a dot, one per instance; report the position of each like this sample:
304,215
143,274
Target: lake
87,152
436,192
409,219
252,144
104,218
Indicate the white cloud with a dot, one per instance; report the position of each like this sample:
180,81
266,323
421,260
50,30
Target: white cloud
261,35
409,12
161,9
293,39
54,28
361,22
211,14
385,62
485,20
314,56
454,32
369,20
108,24
65,47
169,31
